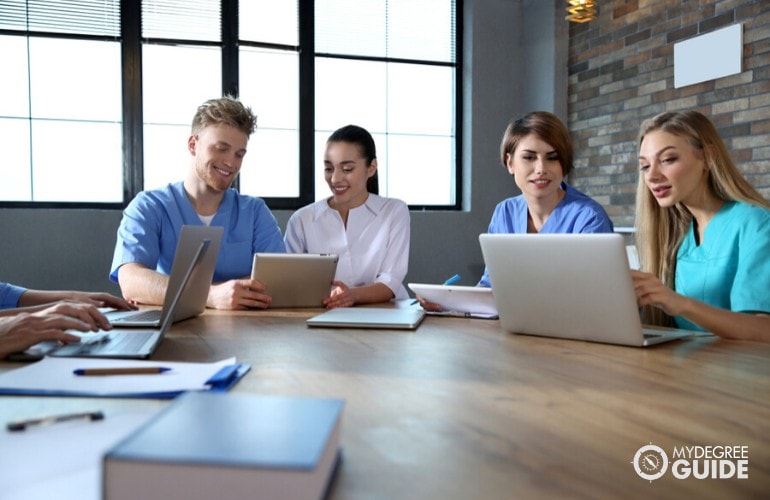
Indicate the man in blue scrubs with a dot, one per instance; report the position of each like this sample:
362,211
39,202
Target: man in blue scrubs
148,234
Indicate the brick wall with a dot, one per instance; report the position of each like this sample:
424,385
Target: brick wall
621,71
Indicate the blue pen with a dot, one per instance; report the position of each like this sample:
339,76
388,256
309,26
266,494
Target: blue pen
451,281
139,370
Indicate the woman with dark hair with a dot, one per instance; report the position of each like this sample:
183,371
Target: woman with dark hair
368,232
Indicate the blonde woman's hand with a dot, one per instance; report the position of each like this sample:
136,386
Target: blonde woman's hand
651,291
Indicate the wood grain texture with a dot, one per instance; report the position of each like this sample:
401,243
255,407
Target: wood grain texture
460,409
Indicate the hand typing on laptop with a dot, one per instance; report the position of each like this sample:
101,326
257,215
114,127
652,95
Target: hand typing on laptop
89,337
25,329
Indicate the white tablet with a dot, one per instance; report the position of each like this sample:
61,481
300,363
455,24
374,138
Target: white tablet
466,301
295,279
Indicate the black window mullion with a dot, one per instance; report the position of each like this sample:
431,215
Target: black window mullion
230,47
306,102
230,68
458,114
133,116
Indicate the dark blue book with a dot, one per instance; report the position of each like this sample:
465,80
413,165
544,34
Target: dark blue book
213,445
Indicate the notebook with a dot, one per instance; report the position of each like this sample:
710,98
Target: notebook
403,318
130,343
464,301
192,301
574,286
295,279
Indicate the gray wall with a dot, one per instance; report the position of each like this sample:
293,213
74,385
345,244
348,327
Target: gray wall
515,61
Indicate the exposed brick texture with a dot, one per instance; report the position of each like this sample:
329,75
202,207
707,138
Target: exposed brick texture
621,71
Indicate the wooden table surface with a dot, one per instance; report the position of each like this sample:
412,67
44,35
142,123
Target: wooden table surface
460,409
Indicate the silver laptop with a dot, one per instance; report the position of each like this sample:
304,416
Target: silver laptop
295,279
397,318
128,343
574,286
192,301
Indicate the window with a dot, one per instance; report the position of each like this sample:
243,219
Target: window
181,68
99,94
398,81
60,109
269,65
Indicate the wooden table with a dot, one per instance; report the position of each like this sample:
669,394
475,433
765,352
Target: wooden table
460,409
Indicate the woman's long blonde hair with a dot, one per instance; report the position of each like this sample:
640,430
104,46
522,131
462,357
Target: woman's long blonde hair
660,231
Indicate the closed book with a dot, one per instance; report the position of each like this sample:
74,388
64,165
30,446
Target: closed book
213,445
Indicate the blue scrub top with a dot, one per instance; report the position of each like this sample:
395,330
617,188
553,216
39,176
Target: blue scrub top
577,213
10,295
151,224
730,269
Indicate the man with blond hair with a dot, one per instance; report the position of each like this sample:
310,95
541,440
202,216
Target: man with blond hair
148,234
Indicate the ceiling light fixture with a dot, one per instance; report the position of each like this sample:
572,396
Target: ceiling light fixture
581,11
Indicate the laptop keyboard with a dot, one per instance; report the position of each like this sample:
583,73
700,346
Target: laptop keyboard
89,337
129,341
121,342
146,315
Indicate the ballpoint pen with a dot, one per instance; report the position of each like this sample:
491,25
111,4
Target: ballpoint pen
454,279
140,370
20,425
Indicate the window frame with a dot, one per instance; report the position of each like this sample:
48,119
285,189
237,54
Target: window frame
131,42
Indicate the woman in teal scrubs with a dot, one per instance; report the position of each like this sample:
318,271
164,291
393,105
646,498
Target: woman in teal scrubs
702,232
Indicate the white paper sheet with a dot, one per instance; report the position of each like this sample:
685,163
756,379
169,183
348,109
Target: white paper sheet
55,375
61,460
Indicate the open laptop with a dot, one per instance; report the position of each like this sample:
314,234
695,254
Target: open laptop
384,318
127,343
574,286
456,300
295,279
192,301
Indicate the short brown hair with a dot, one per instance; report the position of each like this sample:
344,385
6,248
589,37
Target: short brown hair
549,128
224,110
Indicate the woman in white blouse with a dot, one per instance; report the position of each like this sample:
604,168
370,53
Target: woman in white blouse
368,232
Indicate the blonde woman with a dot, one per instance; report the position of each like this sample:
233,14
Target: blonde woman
703,233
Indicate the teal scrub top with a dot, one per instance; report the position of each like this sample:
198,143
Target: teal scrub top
730,269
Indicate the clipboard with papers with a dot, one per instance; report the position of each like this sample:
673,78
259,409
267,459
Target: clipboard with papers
460,301
57,377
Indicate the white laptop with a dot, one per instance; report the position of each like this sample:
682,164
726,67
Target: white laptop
383,318
192,301
463,301
128,343
295,279
574,286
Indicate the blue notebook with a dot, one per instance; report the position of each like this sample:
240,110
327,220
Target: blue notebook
209,445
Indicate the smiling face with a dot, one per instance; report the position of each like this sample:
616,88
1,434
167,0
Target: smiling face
536,167
218,152
674,171
346,172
